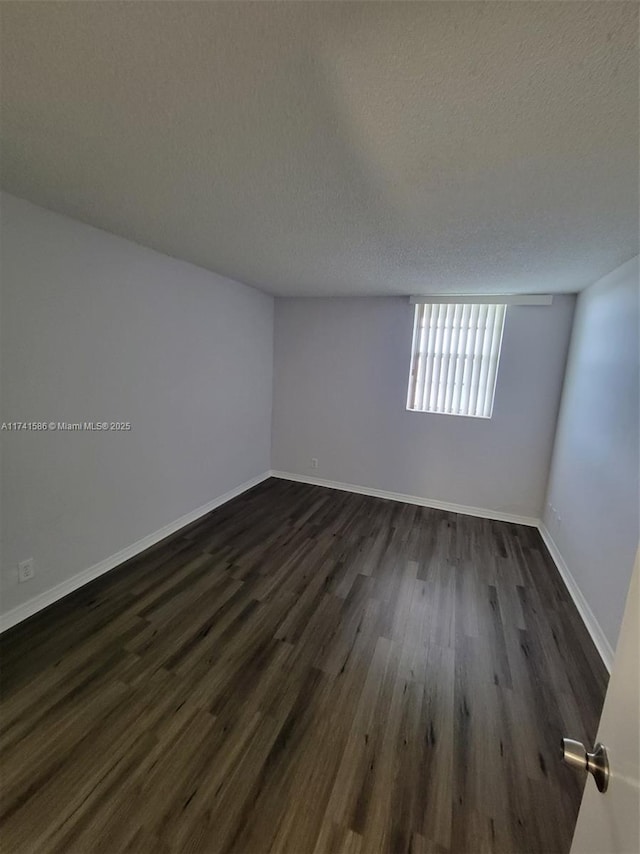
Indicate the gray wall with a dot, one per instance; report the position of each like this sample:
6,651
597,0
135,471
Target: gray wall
340,382
594,479
97,328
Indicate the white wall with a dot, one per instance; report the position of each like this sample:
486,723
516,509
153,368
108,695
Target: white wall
341,368
594,479
96,328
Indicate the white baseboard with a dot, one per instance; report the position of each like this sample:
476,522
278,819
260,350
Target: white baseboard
42,600
481,512
588,618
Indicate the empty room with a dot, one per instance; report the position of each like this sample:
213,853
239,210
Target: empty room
319,427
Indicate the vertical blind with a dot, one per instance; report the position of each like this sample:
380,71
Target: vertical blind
454,358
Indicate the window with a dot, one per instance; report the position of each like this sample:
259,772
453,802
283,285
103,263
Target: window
454,358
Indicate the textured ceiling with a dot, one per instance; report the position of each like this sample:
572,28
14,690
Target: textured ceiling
336,148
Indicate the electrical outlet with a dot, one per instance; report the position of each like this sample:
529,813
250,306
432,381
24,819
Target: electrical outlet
314,463
26,570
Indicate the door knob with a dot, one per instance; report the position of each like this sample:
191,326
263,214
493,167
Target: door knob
574,753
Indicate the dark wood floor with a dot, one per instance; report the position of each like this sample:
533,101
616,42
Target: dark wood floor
303,671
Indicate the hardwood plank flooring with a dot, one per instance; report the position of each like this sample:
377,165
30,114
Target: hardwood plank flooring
303,671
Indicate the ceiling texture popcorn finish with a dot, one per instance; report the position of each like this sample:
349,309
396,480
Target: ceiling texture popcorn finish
336,148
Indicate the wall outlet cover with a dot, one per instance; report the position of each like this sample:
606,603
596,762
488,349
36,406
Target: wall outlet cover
26,570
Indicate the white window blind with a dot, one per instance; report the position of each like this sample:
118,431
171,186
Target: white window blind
454,358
